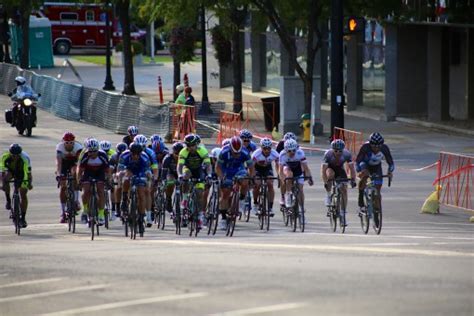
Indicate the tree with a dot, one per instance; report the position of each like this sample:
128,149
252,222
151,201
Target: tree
123,7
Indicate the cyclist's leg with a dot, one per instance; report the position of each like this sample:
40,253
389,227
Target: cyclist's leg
170,185
86,187
100,200
341,173
271,195
23,204
141,190
288,173
226,187
363,176
7,176
330,175
256,191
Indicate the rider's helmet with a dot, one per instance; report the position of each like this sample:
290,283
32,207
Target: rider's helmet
140,139
92,144
121,147
215,152
291,144
338,144
226,142
236,144
20,80
105,145
132,130
266,143
156,138
158,146
15,149
245,134
177,147
136,148
289,135
190,140
68,137
198,138
376,139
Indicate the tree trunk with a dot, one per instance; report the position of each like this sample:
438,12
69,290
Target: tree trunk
236,71
6,37
176,77
129,84
25,30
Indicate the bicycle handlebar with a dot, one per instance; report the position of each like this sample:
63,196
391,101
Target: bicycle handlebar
297,178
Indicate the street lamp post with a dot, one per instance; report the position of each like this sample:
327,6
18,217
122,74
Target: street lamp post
205,107
337,93
109,83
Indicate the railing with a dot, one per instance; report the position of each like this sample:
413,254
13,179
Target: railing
182,121
352,139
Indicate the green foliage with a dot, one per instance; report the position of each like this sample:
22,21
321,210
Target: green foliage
222,45
137,47
181,44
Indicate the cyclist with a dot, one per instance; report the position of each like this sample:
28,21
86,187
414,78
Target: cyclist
234,161
106,147
193,162
67,157
94,165
248,144
15,164
132,132
333,168
170,173
113,165
135,162
150,189
293,164
279,148
369,161
263,158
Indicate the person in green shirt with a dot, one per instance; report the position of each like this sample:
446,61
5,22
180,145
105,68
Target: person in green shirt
181,99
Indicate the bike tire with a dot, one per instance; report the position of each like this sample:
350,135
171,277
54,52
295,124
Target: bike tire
332,218
17,215
294,216
338,211
286,218
92,215
301,218
232,227
133,216
365,216
377,221
210,213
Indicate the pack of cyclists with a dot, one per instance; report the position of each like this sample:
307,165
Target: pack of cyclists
149,163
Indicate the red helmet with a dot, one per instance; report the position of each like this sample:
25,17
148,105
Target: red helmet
69,137
236,144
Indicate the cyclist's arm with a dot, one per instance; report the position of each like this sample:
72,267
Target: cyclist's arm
3,162
324,168
352,170
219,171
388,158
306,170
59,161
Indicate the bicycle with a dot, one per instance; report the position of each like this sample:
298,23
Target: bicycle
247,207
334,210
177,208
16,207
368,211
93,219
262,200
190,214
212,214
295,214
160,206
70,202
107,210
233,212
135,219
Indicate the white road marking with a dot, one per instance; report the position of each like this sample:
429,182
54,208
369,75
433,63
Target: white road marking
150,300
262,309
30,282
49,293
345,248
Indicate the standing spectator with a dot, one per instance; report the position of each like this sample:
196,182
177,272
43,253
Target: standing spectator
180,92
188,96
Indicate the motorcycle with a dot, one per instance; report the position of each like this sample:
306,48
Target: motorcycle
24,118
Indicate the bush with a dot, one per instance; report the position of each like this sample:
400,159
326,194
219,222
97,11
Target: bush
222,46
181,44
137,48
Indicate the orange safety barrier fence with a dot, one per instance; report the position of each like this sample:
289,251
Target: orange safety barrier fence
455,180
182,121
352,139
230,125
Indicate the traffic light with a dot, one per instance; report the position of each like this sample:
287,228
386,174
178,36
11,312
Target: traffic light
354,25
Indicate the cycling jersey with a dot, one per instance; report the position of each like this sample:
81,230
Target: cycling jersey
110,153
94,168
169,167
251,147
367,157
263,164
152,158
195,160
139,167
19,168
114,161
280,146
69,159
335,163
293,163
231,165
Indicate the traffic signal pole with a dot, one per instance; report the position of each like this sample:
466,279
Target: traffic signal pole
337,84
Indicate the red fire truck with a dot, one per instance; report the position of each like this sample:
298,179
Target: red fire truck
81,25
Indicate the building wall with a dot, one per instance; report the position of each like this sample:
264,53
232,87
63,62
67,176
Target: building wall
458,92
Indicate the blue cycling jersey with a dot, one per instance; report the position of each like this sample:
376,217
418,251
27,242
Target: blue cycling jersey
251,147
152,157
138,167
230,164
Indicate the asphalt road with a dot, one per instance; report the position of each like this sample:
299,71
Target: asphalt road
419,265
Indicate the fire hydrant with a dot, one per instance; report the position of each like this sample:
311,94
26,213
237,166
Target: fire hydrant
306,126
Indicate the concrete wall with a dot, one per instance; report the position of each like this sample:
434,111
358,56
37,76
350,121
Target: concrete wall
458,99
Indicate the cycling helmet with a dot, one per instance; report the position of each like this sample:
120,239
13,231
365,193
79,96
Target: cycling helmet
136,148
198,138
121,147
226,142
215,153
236,144
15,149
158,146
291,144
140,139
20,80
190,140
105,145
177,147
132,130
93,144
245,133
266,143
156,138
289,135
69,137
338,144
376,139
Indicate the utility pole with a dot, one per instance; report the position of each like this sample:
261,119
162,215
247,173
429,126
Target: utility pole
205,108
109,83
337,84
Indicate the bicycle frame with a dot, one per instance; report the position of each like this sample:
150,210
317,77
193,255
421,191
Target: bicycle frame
16,207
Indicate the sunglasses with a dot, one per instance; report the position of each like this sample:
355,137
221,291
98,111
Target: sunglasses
93,151
266,148
69,143
338,151
290,151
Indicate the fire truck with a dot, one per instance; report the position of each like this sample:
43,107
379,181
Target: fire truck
82,25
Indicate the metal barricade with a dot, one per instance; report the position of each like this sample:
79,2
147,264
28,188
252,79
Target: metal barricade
230,125
352,139
182,121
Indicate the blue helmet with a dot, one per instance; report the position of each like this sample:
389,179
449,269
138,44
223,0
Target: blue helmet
121,147
338,144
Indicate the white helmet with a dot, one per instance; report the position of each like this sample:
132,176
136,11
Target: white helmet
289,135
140,139
20,80
105,145
215,152
266,143
291,144
226,142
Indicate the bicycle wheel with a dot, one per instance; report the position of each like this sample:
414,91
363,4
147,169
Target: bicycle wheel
378,219
210,213
365,216
261,210
332,218
92,215
132,216
286,218
162,213
140,225
301,218
294,216
340,216
215,213
177,214
247,208
16,213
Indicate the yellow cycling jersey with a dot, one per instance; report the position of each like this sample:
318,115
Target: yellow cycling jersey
194,160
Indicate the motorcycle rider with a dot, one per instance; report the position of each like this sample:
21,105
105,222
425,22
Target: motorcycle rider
22,90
